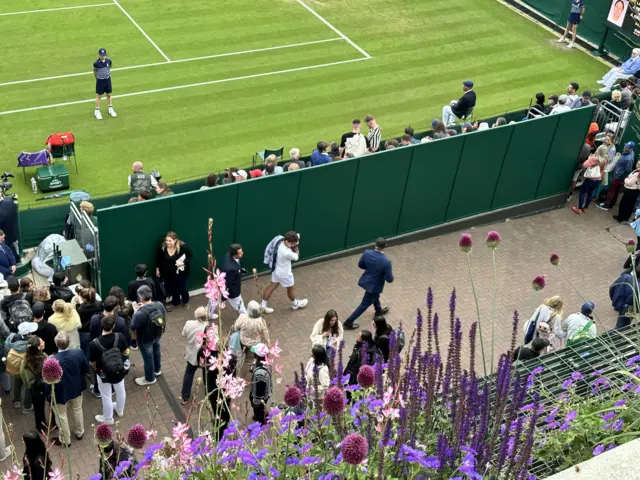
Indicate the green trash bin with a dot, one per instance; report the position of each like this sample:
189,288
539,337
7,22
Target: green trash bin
55,177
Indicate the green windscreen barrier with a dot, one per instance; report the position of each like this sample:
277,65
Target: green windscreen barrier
322,216
194,210
480,164
377,200
130,235
266,208
38,223
555,10
429,184
524,161
564,152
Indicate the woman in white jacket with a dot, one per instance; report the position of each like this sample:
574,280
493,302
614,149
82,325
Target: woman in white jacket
328,331
550,312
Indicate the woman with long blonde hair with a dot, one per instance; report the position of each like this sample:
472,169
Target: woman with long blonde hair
550,313
173,261
66,319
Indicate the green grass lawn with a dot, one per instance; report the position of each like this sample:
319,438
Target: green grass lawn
421,51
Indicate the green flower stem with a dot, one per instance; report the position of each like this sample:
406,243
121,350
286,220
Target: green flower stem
475,297
286,450
493,317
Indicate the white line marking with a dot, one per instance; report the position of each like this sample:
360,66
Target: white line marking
218,55
317,15
181,87
57,9
142,31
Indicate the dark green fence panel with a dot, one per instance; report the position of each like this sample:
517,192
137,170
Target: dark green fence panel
480,164
38,223
112,201
429,184
377,199
266,208
564,151
190,217
129,235
555,10
188,186
322,216
524,161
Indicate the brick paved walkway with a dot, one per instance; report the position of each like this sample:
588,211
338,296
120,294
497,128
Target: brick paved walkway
591,250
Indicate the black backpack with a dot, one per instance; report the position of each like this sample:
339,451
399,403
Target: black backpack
19,312
157,322
260,385
113,370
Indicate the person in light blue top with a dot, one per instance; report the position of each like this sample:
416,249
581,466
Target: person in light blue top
626,70
636,226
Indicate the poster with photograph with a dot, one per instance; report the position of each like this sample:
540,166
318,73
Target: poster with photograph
624,15
618,11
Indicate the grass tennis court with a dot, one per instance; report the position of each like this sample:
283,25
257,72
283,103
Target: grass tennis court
200,85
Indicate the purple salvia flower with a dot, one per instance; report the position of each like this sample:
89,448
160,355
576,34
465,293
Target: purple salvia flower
332,363
429,319
303,381
436,326
340,367
472,348
514,333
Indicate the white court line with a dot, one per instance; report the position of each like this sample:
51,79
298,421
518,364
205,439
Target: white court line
317,15
218,55
57,9
181,87
142,31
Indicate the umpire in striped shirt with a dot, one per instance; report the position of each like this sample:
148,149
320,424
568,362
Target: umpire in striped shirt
102,72
375,133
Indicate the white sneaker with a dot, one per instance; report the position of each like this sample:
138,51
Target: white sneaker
571,45
120,414
299,304
600,82
267,310
97,114
560,40
158,373
7,453
101,419
112,112
143,382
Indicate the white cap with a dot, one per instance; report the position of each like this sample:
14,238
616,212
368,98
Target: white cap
241,173
25,328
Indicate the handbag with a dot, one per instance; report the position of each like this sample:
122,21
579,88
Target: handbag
530,328
234,343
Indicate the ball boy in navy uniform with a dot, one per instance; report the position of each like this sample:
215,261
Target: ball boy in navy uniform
102,72
575,15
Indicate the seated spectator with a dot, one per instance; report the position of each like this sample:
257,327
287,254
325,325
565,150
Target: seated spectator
59,289
163,190
482,126
252,327
409,131
461,108
133,200
294,155
439,130
539,107
139,180
240,175
452,132
500,121
334,150
256,173
271,166
583,101
320,155
375,133
293,166
405,141
210,182
391,144
553,101
467,127
66,319
626,93
572,94
523,353
354,142
626,70
426,139
562,106
319,362
144,195
580,326
141,279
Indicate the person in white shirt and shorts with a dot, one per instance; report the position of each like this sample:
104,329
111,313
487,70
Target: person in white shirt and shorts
286,253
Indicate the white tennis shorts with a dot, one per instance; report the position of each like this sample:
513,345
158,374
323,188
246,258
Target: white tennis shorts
285,282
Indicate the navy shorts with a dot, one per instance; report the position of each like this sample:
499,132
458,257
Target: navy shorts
574,18
103,86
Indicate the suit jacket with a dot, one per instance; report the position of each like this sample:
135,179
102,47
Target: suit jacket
377,270
74,366
233,278
7,260
466,101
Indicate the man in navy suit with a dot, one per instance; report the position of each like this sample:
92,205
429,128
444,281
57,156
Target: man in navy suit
232,267
377,271
69,390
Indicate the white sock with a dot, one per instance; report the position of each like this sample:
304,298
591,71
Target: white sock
294,302
264,303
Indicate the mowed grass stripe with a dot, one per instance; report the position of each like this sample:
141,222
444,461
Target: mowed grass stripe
26,5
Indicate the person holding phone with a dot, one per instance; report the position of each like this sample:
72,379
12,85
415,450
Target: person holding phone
173,262
575,15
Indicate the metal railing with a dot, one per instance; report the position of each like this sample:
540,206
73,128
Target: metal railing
611,120
85,233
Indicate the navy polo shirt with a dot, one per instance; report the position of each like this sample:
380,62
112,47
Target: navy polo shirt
102,69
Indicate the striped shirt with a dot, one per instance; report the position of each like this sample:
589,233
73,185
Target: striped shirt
374,137
102,69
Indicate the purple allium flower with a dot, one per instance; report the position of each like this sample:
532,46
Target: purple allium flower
493,239
466,242
631,246
354,448
104,434
366,376
51,371
137,436
539,283
555,259
292,396
598,450
333,401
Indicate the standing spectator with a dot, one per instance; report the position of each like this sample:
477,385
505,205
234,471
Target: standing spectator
261,384
31,375
173,262
627,94
354,142
375,133
328,331
623,167
60,289
594,171
139,181
364,343
622,293
575,15
320,155
163,190
124,307
381,335
319,361
579,326
572,94
148,326
210,182
69,389
66,319
36,463
5,450
279,254
377,270
15,349
46,331
141,279
87,306
629,196
232,268
252,327
15,309
7,258
42,294
462,107
626,70
409,131
191,331
26,287
106,355
220,405
523,353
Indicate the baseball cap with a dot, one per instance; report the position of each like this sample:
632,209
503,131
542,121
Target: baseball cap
26,328
587,308
102,51
563,98
260,349
630,145
255,173
434,122
468,83
240,173
37,309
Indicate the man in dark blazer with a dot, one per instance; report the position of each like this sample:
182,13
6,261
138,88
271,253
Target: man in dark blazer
460,108
69,390
232,267
377,271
